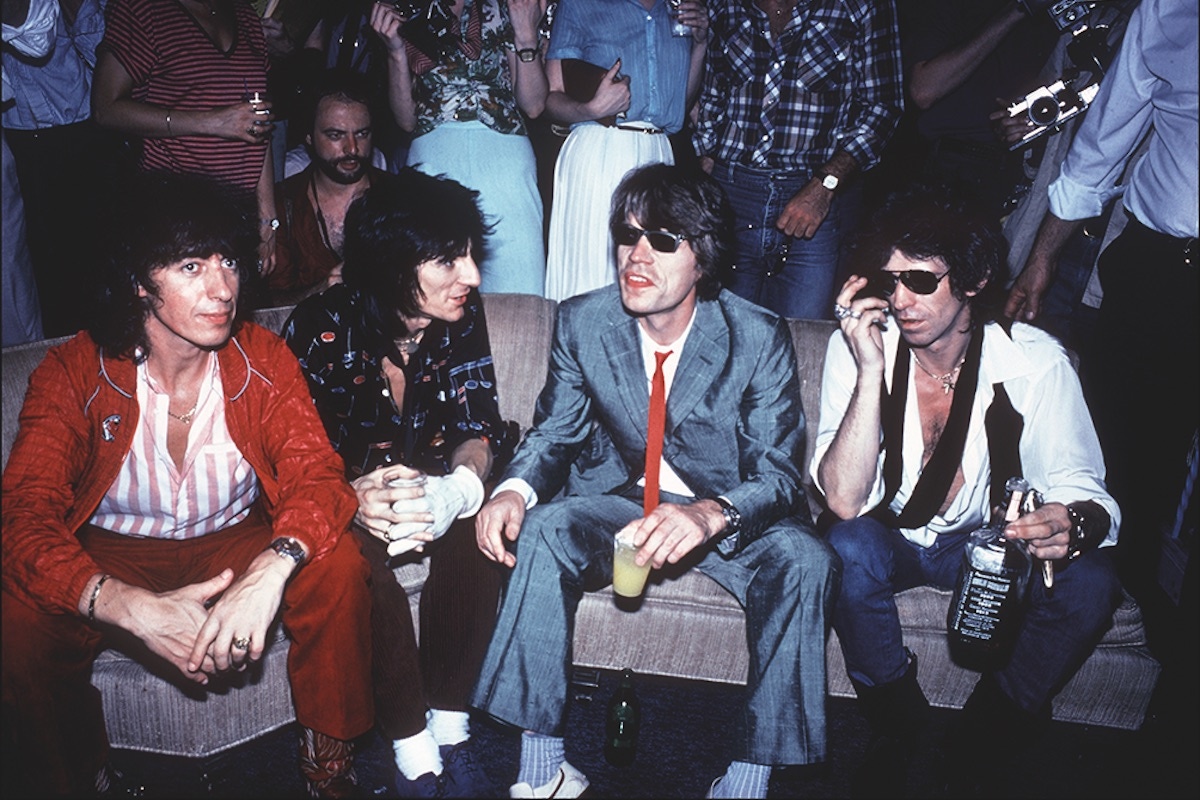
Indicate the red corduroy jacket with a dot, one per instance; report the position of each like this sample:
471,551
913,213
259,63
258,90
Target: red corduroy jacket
77,425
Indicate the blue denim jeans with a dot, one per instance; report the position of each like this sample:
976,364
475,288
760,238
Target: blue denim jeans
785,579
792,277
1061,627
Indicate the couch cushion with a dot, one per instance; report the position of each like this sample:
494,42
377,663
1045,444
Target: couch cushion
160,713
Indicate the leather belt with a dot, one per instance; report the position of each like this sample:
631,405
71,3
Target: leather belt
638,127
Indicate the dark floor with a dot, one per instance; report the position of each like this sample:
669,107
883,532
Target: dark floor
686,742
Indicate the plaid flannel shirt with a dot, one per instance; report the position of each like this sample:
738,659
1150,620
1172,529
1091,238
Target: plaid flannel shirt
831,81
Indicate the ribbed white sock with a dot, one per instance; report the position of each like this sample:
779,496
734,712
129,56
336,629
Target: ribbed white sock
448,727
418,754
743,779
541,756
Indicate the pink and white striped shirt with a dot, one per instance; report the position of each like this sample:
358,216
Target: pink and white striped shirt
153,498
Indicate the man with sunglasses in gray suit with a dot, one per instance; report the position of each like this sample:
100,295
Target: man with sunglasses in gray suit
731,498
927,408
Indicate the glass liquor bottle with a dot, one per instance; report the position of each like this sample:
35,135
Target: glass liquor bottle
622,722
989,601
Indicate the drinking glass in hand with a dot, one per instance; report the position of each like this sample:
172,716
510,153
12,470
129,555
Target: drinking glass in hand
629,579
677,28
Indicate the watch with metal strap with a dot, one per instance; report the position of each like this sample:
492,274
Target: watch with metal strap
1079,537
527,54
287,547
830,181
733,517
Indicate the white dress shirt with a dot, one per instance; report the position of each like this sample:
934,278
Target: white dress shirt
668,480
1060,452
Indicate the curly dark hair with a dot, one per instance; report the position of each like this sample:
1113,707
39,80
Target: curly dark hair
937,220
396,226
686,201
155,219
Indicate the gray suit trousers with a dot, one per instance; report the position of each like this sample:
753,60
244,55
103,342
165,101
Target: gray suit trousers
785,580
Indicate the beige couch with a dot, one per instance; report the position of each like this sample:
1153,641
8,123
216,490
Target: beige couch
686,627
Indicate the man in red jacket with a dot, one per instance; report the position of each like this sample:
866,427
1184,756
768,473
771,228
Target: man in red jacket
171,481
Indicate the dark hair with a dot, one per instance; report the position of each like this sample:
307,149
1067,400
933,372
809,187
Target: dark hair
937,220
685,201
345,85
396,226
158,218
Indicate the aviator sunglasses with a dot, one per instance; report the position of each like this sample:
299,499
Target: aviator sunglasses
917,281
662,241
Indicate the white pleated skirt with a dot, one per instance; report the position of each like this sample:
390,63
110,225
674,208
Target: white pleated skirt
591,164
502,169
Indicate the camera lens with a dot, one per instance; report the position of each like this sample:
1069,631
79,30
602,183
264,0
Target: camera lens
1043,111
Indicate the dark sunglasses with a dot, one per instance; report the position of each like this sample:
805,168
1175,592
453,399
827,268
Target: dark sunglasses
662,241
917,281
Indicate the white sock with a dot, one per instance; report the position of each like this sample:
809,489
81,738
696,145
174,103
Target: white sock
448,727
541,756
744,779
418,754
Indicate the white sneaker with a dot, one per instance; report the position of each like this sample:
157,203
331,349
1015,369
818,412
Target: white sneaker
569,782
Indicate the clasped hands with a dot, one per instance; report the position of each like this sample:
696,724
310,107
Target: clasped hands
408,509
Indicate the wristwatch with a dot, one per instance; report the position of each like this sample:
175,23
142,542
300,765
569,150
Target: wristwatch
830,181
733,517
527,54
287,547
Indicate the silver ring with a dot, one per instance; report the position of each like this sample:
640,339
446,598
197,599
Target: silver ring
841,312
241,643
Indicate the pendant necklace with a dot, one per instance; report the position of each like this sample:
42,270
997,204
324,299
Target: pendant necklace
947,380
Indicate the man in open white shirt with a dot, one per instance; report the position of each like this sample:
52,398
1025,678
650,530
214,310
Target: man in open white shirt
927,408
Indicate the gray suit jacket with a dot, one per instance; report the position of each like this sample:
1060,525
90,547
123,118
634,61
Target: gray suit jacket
735,426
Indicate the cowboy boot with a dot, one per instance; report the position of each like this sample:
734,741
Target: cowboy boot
327,765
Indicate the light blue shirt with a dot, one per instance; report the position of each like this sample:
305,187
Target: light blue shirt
1151,88
55,88
601,31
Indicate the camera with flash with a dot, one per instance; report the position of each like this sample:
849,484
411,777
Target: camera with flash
1048,107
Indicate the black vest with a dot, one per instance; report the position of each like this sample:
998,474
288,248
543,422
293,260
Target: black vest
1002,423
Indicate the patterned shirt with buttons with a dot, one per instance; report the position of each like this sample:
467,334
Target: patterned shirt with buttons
473,82
449,396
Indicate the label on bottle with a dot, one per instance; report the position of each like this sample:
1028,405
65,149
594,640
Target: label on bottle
980,604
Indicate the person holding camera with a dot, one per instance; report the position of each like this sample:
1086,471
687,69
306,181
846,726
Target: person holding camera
1143,383
962,57
460,77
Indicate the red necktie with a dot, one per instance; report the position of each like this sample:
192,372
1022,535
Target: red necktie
654,432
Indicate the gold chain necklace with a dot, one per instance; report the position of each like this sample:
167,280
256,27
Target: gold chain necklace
947,379
185,417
